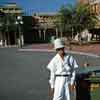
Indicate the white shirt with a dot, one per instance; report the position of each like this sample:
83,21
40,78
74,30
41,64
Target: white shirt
57,66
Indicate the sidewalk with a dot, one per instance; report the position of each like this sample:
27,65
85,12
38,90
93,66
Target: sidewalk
92,48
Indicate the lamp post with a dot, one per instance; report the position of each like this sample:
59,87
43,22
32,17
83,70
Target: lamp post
1,40
1,24
19,23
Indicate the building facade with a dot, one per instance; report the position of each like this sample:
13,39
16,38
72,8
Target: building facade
83,1
46,26
11,8
94,6
9,29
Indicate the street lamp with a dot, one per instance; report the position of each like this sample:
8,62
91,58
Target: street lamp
19,22
1,41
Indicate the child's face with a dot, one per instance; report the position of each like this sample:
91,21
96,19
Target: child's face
60,51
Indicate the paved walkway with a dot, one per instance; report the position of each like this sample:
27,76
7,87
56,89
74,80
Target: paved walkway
92,48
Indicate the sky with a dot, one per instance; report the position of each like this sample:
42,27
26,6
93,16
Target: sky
43,6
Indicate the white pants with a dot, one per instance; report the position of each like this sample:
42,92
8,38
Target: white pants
61,90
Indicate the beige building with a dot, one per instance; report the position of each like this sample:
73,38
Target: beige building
46,25
94,5
83,1
94,8
11,8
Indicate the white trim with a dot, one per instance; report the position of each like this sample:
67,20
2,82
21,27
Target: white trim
47,50
94,1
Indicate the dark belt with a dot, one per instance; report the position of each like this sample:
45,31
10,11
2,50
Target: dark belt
62,75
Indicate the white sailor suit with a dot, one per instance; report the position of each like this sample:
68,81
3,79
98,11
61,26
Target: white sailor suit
61,75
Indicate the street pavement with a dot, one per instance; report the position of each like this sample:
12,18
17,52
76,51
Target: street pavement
23,75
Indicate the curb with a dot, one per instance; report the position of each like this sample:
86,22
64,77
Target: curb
86,54
47,50
14,46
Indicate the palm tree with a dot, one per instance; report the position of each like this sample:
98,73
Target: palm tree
74,19
65,19
84,19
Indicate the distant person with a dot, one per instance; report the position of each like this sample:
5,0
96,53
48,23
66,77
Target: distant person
62,72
